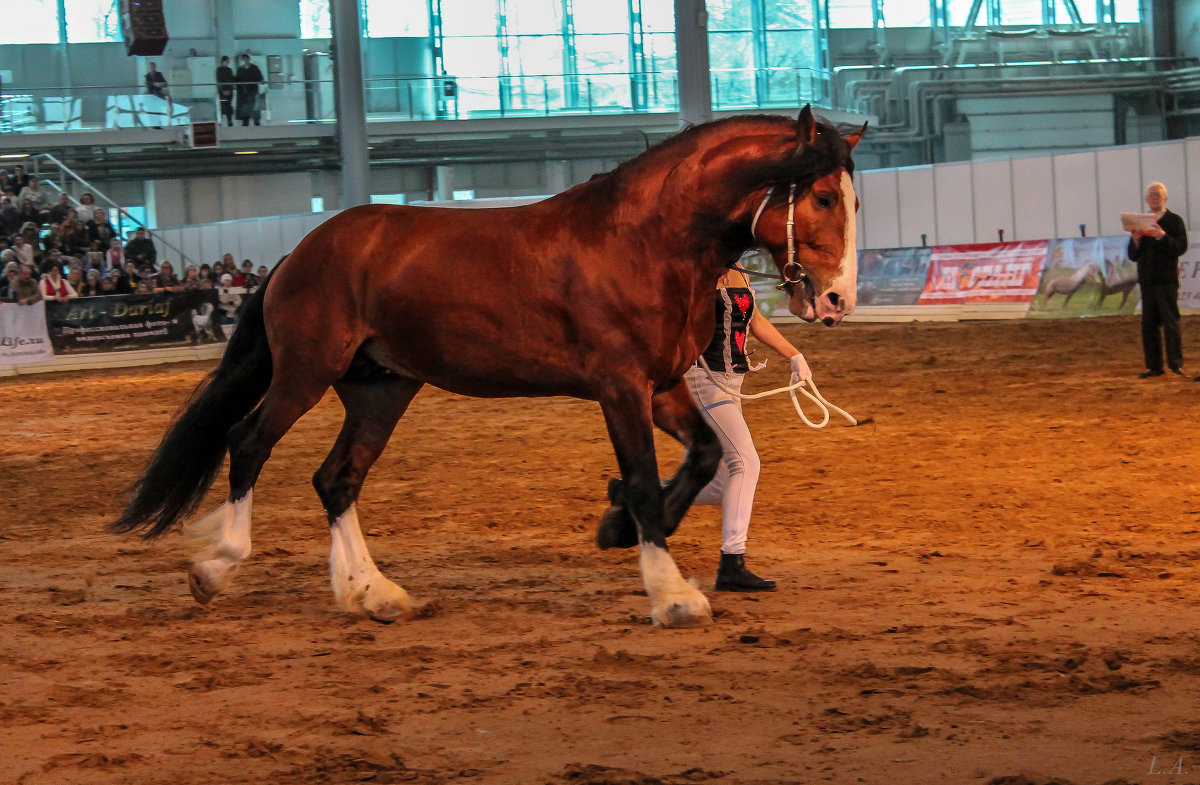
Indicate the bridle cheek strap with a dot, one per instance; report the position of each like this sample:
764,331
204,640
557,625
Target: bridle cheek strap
792,265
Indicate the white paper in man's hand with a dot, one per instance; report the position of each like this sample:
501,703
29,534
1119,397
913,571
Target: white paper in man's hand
1140,222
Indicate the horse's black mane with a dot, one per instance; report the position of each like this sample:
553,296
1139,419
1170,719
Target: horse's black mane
809,162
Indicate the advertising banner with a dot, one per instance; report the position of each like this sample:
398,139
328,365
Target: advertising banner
984,273
134,321
23,337
1189,277
892,276
1087,276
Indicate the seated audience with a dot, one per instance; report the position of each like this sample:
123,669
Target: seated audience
100,229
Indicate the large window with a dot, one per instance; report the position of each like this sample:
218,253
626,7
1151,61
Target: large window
916,13
90,21
30,22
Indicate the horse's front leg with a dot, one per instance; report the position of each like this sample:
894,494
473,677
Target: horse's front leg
673,601
675,413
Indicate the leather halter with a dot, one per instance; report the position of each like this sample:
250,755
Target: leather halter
791,265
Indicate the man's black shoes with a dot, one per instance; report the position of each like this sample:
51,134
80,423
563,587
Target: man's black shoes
1149,374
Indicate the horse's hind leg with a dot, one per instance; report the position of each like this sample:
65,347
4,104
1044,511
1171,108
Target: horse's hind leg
374,401
674,413
220,541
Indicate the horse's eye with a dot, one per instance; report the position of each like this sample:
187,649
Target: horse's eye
824,202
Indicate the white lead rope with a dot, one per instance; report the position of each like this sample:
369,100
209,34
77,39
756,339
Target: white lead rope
815,396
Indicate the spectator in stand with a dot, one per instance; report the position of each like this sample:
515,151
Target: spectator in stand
218,269
191,279
87,206
35,194
165,280
26,290
262,272
52,261
52,239
130,274
142,288
140,250
19,179
55,287
100,229
29,214
249,77
108,284
10,220
246,277
115,256
75,280
156,83
76,239
225,87
9,280
58,211
91,284
205,274
94,260
23,250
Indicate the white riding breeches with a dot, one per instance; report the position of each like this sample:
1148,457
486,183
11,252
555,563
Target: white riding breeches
737,476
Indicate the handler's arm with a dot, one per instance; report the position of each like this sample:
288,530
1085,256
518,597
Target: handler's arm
766,332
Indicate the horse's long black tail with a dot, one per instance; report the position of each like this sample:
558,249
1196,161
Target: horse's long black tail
187,460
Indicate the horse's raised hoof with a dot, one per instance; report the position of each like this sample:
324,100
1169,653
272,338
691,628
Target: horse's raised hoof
381,601
616,530
677,611
207,579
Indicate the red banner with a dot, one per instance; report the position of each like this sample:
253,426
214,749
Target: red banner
984,273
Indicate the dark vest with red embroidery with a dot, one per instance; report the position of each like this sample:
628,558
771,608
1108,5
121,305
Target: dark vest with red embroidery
727,350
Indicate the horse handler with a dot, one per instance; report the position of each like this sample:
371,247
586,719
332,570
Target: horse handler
733,486
1157,253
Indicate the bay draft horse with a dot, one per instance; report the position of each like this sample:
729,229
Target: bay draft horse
603,292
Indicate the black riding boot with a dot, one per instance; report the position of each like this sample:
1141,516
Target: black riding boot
732,575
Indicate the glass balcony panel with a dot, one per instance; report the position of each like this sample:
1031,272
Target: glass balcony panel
536,54
602,53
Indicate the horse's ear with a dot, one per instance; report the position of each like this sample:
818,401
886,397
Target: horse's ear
853,139
808,125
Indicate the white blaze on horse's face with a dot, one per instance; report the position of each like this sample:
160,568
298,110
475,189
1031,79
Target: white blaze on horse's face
841,295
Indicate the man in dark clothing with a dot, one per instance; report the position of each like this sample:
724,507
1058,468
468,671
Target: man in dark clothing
249,77
156,83
1157,253
141,251
225,83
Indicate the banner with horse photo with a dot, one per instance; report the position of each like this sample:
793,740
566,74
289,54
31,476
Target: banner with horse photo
984,273
134,321
1086,276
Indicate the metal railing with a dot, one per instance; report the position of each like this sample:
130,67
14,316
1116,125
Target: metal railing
108,107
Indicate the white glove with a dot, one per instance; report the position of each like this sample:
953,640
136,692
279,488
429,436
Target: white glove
800,368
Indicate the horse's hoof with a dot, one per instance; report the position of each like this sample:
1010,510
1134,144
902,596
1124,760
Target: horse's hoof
384,603
682,611
616,530
207,579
